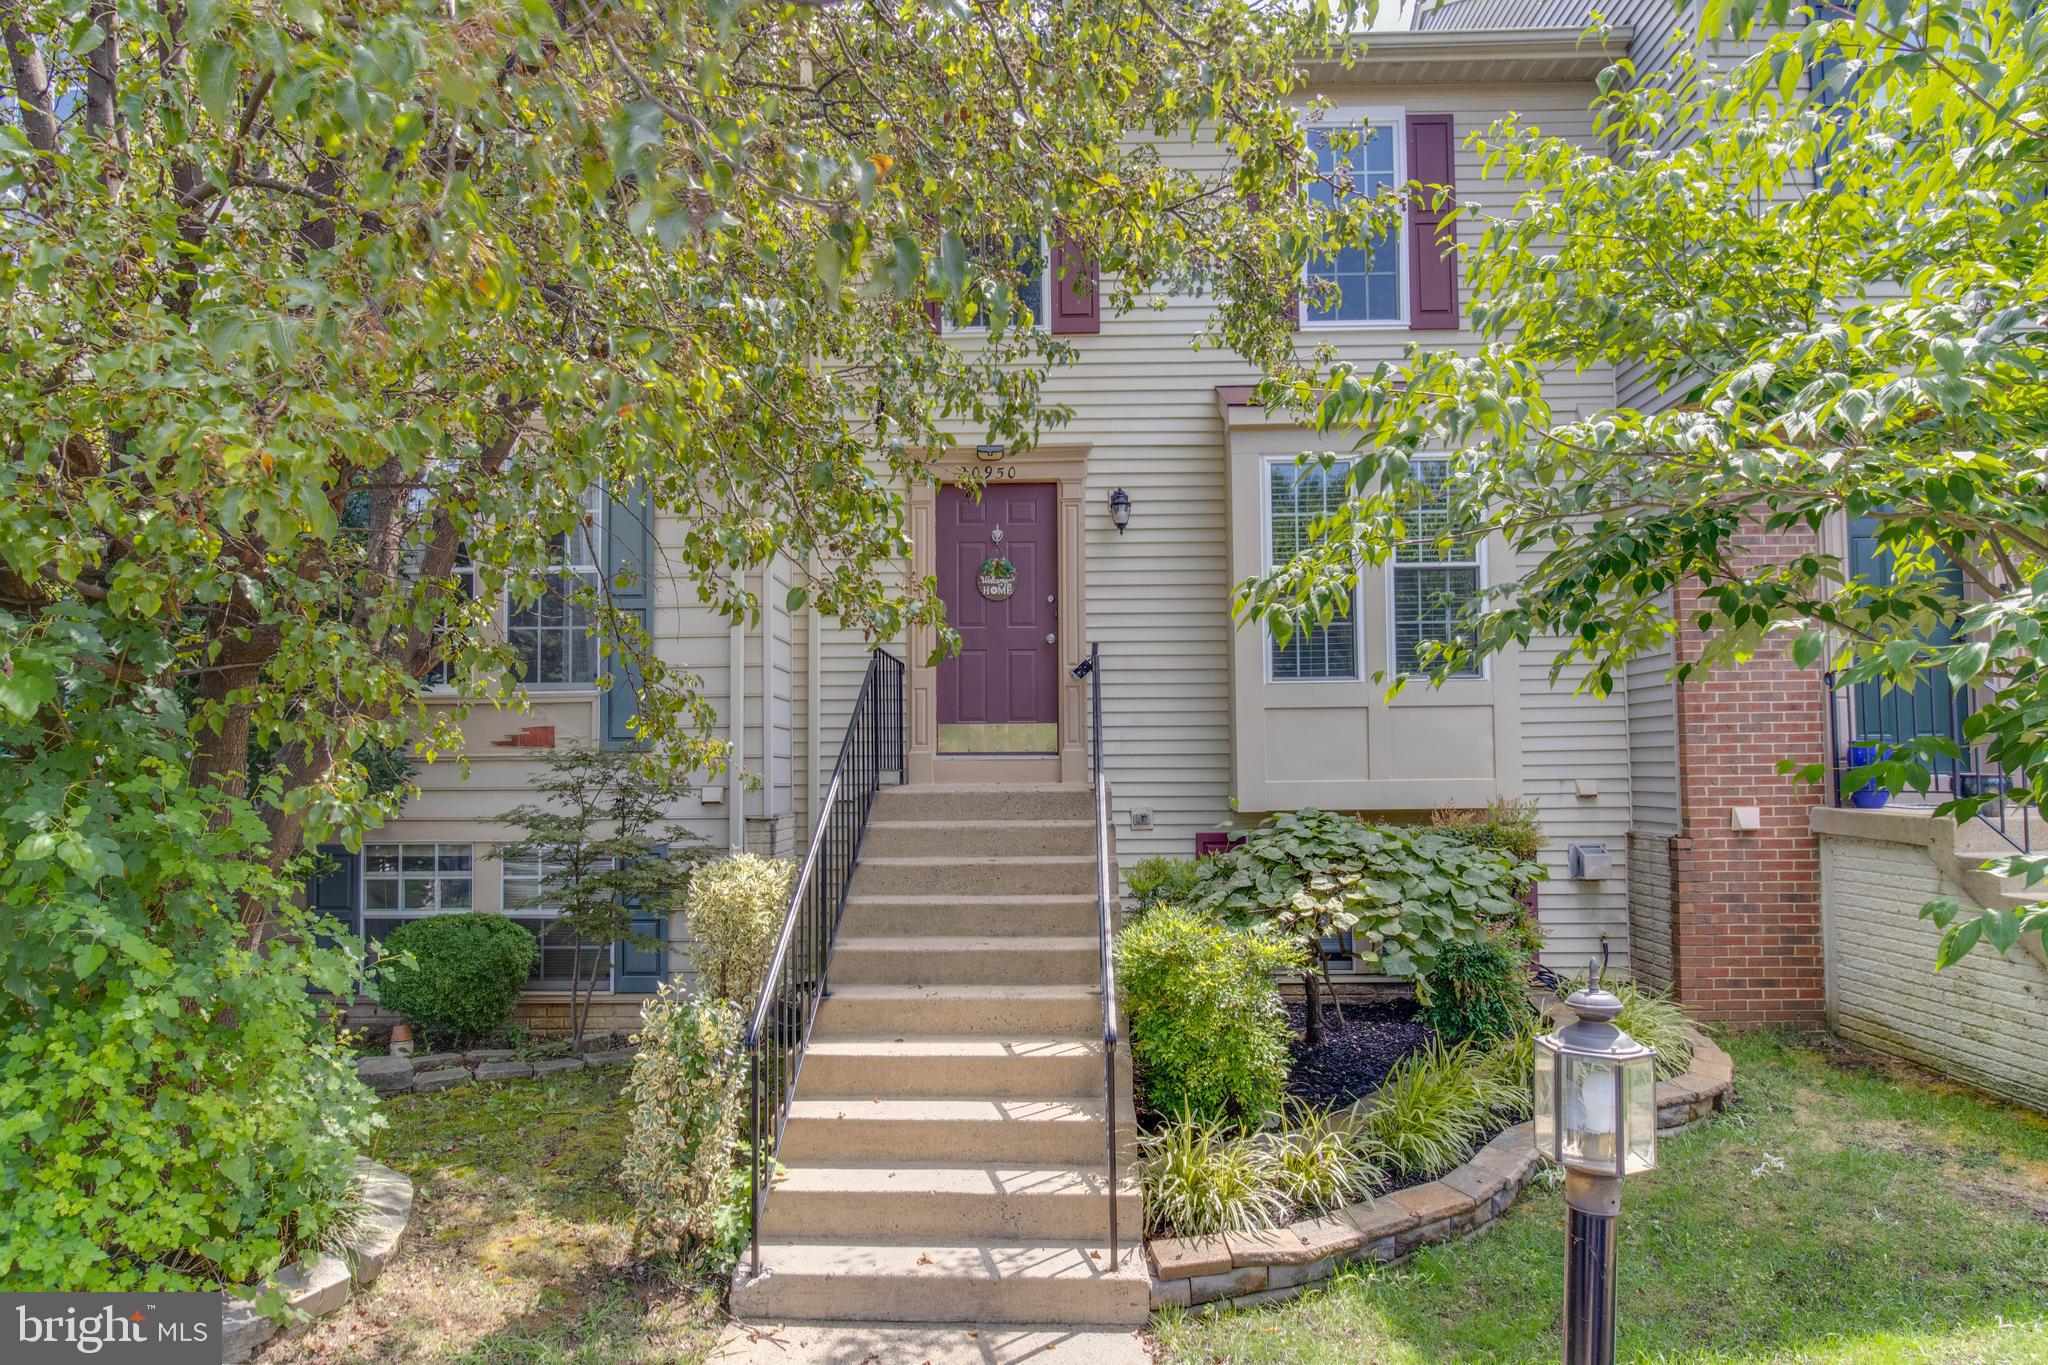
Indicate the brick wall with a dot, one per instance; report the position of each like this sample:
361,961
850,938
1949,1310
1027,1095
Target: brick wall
1745,908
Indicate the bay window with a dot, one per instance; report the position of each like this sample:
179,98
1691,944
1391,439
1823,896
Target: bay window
1297,497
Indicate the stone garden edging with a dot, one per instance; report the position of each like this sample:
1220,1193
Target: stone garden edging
396,1075
1245,1269
320,1285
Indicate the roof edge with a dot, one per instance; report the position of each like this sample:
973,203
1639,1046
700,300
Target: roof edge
1562,53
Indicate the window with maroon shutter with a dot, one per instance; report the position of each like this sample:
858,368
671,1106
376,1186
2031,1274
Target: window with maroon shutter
1076,295
1432,262
1359,284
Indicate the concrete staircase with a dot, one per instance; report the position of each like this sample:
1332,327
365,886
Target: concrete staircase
944,1157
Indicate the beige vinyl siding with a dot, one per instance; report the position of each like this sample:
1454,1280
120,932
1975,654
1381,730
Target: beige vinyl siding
1653,740
1158,596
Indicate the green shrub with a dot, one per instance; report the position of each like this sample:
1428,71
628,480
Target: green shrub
1322,1160
464,977
1405,892
735,909
1162,881
1510,827
176,1113
1648,1017
1208,1032
1476,992
1204,1178
1432,1111
680,1168
1506,1069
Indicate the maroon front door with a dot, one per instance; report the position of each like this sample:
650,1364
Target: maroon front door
1000,693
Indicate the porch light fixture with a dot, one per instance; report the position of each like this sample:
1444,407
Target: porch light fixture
1120,509
1595,1092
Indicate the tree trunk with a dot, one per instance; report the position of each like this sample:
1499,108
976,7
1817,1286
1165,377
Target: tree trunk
1312,995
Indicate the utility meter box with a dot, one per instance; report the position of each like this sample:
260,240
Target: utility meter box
1589,862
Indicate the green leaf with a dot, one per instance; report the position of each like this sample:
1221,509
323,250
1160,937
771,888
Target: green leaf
1957,942
216,72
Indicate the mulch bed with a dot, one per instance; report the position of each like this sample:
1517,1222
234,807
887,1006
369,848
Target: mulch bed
1356,1055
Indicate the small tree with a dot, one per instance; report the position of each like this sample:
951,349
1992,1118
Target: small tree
605,852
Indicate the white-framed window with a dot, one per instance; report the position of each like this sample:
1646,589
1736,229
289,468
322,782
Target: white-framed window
1296,497
1434,578
1371,278
412,881
553,637
1032,261
562,959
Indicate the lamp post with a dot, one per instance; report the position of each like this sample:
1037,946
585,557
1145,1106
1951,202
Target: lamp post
1596,1116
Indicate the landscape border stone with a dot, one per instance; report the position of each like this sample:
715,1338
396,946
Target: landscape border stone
398,1075
1247,1269
321,1284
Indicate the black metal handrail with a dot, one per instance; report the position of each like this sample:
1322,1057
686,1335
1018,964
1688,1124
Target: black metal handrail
795,981
1105,898
1880,722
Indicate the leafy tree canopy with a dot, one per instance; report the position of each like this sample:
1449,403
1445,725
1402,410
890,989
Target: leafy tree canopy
1837,303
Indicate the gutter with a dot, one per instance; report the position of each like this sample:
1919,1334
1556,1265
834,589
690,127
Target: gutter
1562,53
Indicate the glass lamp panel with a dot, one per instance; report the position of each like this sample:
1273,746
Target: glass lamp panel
1545,1095
1639,1104
1591,1113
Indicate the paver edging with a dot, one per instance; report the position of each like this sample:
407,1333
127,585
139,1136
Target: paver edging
399,1075
321,1284
1269,1266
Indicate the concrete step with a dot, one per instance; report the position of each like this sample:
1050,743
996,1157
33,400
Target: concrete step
979,916
949,1279
1001,1068
1003,1011
987,801
898,1201
979,875
967,962
926,1343
889,837
831,1129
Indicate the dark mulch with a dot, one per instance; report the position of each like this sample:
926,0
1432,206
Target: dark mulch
1356,1055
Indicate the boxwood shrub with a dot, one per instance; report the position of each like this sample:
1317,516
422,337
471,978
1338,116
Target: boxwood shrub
464,975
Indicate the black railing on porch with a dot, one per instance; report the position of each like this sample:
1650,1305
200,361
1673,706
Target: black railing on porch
1106,901
1869,724
796,978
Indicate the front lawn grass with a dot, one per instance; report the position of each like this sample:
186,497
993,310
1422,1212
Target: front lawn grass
520,1247
1846,1209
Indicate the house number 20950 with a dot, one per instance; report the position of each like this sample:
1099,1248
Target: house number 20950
988,473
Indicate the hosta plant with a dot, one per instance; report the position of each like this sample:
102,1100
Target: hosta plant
1402,892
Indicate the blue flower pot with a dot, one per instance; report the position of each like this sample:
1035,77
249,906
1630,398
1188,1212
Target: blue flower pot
1869,796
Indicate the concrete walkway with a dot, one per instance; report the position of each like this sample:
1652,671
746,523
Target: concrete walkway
876,1343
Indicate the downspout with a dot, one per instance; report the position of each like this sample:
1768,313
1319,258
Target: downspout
736,727
814,674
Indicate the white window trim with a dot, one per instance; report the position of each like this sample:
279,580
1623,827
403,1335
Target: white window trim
1266,466
1395,119
591,537
1484,672
1043,320
543,913
365,912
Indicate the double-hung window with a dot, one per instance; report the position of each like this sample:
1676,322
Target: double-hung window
1359,155
563,959
1297,497
1435,576
553,636
1028,258
412,881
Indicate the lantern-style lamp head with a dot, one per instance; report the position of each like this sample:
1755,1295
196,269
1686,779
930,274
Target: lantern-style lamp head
1120,509
1596,1091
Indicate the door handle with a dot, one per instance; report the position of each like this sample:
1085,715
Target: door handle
1049,638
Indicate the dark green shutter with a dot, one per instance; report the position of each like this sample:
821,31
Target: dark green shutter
331,890
628,557
636,969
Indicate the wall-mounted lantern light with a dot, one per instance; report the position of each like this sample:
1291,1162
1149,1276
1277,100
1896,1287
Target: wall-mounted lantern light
1120,509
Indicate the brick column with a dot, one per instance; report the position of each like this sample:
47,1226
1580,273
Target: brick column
1746,904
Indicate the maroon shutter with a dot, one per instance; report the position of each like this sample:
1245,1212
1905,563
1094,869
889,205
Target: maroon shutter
1432,261
1076,292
